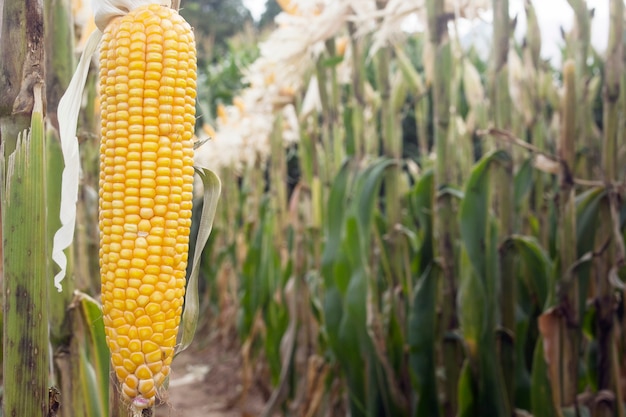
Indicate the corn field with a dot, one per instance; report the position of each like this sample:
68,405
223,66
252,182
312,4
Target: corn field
407,226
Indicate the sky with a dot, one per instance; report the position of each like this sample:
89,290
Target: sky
552,15
256,7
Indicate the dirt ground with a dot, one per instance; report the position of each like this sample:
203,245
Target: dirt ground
206,382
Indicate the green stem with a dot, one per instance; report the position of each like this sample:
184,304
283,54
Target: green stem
503,196
278,176
444,219
568,297
584,118
335,114
612,257
612,109
358,90
322,81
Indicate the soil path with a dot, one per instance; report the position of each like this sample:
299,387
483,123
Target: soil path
206,382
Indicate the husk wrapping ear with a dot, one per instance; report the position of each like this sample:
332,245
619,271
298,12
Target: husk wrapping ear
106,10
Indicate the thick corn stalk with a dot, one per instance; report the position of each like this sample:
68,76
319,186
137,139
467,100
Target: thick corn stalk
503,196
25,266
569,295
25,281
581,44
444,219
607,264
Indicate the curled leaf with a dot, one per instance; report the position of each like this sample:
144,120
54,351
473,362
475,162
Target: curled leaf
69,107
212,190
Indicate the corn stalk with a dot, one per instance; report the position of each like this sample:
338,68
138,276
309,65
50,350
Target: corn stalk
568,297
444,218
613,258
503,196
25,257
358,92
581,44
25,284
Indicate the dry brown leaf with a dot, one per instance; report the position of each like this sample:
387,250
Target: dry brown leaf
549,327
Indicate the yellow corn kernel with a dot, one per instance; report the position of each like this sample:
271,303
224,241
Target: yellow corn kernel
147,82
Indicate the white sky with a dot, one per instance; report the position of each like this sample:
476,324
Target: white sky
256,7
552,15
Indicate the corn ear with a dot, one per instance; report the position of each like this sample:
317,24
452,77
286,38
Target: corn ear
148,90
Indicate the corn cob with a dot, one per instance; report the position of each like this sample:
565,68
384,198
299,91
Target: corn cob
148,90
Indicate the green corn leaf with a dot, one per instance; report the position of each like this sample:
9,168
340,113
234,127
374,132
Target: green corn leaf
423,309
345,265
212,189
335,268
267,273
537,268
588,326
97,352
333,312
342,270
254,271
450,191
592,358
332,62
473,310
348,116
534,278
493,400
334,223
541,390
94,354
474,211
421,201
396,338
467,392
352,342
477,289
95,397
587,210
275,317
522,373
368,185
587,206
421,207
422,341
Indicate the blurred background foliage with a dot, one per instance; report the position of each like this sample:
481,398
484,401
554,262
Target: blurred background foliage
436,241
